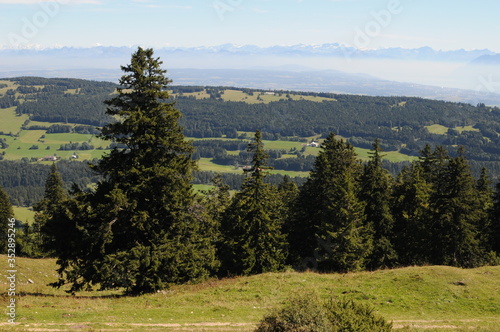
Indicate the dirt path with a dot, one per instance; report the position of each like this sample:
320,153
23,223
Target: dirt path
213,326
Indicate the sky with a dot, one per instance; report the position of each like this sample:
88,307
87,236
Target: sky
364,24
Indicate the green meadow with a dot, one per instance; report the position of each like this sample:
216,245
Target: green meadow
431,298
10,121
441,130
25,214
264,97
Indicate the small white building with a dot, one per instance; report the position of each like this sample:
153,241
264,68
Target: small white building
314,144
49,158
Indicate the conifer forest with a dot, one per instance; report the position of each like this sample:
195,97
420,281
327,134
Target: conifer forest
131,219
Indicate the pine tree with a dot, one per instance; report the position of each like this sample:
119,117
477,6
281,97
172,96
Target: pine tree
6,213
252,227
411,211
141,228
37,241
484,189
494,223
376,193
289,193
328,230
455,213
433,163
217,199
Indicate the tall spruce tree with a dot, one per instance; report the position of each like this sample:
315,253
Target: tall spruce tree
484,187
433,164
289,193
414,193
411,211
37,241
328,230
456,213
494,223
140,228
252,227
376,193
6,213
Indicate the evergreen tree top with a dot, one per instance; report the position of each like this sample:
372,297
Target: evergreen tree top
54,191
259,158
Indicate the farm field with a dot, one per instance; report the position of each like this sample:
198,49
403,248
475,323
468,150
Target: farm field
37,144
442,130
419,298
255,97
10,121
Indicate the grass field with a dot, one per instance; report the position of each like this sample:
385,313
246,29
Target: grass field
441,130
10,121
392,156
202,187
424,298
49,144
437,129
24,214
466,128
266,97
256,98
10,85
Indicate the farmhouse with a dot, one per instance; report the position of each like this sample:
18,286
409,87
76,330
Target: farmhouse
48,158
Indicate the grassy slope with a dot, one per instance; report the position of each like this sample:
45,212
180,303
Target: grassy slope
10,121
441,130
415,296
24,214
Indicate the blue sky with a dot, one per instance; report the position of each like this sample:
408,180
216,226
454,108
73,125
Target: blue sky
440,24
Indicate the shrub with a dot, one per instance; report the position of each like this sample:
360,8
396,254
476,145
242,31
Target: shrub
347,315
307,313
302,314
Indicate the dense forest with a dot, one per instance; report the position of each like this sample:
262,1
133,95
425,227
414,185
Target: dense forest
399,122
49,100
24,181
142,228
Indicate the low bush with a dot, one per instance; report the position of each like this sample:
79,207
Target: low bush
308,313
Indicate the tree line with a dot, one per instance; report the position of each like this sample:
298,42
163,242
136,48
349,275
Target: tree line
142,228
24,182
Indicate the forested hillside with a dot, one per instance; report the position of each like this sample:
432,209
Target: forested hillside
62,100
74,108
404,124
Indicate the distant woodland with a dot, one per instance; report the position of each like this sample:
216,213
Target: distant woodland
399,122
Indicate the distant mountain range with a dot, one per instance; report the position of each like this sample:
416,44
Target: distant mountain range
487,59
326,50
460,75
